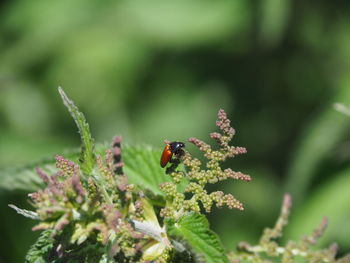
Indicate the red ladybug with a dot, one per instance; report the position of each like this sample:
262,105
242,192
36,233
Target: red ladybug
169,150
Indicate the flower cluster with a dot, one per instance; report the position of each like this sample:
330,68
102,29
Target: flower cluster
90,213
198,178
96,208
268,247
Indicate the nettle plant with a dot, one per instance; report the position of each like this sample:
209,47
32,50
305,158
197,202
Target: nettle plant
116,204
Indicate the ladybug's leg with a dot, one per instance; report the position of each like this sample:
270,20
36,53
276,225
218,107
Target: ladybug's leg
175,160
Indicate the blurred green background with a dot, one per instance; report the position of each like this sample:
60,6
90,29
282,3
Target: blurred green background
155,70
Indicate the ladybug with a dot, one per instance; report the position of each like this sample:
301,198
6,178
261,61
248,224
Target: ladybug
169,150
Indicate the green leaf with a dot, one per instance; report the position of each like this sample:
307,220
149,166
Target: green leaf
87,157
39,252
25,178
141,166
194,229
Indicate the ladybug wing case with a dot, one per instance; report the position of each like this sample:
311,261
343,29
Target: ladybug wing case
166,156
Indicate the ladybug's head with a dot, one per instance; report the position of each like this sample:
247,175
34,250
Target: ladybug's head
175,147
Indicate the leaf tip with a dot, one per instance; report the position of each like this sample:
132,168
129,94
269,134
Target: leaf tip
64,96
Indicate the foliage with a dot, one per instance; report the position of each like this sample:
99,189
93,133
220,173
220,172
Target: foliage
141,164
40,251
292,251
193,229
87,147
154,70
198,178
91,213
